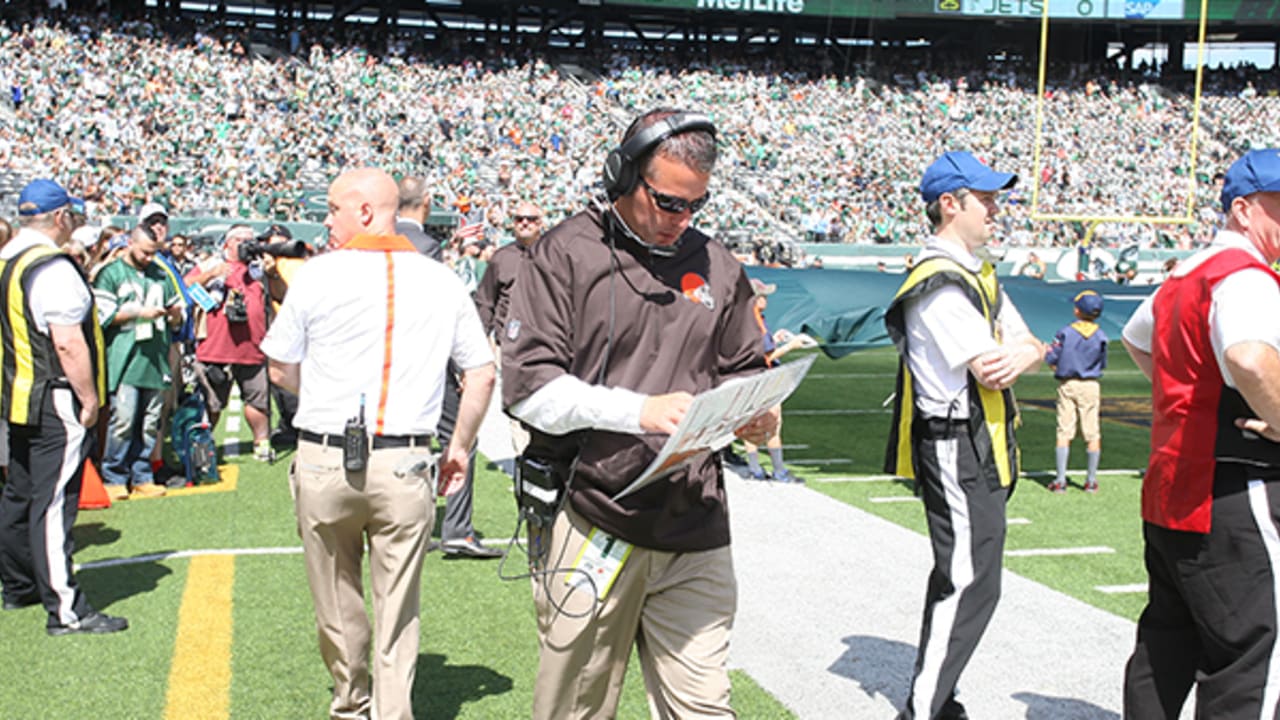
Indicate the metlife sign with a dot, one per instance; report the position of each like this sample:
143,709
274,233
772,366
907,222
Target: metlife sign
1065,9
794,7
782,8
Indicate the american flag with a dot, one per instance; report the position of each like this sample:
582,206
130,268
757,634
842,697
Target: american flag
469,231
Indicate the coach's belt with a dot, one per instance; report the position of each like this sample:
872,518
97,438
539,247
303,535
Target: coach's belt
380,442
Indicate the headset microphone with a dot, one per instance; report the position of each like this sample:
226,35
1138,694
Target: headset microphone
611,210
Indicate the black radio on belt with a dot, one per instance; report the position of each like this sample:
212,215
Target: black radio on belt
355,442
538,491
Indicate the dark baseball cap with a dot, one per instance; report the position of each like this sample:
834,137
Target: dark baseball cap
1089,303
276,230
959,169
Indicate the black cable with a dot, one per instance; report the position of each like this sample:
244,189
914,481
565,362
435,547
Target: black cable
533,554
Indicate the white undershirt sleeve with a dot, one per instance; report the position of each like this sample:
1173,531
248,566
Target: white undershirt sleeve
569,403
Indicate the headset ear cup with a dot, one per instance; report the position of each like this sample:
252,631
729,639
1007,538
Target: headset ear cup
616,172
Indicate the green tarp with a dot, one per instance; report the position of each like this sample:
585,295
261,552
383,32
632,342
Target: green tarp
844,309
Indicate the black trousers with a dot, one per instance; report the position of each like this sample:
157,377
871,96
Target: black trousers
38,508
966,518
457,507
1210,619
287,404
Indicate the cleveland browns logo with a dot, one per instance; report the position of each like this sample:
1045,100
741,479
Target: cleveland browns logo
696,288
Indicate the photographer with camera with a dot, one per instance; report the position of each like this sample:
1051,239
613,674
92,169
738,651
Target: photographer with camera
282,257
235,321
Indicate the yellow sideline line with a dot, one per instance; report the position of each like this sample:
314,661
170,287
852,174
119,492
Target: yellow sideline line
200,677
227,476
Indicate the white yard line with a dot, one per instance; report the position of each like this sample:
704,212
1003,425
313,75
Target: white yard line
1121,589
1055,552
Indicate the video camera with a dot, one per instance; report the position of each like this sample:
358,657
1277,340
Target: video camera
250,250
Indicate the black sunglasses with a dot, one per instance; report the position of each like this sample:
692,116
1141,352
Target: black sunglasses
525,218
673,204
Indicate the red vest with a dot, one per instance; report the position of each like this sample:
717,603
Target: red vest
1192,409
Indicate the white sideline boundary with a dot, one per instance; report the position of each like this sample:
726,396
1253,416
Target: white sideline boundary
1054,552
1121,589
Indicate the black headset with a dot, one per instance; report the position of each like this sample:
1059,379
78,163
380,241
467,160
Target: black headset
622,167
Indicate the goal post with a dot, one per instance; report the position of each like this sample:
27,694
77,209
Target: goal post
1118,217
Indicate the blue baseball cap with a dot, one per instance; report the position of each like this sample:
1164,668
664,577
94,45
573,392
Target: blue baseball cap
1089,303
958,169
1255,171
43,196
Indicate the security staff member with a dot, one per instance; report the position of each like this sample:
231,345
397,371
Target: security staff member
366,332
493,295
620,313
52,386
1209,340
457,534
962,345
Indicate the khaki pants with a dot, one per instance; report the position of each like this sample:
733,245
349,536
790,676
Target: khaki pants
337,510
1083,398
677,608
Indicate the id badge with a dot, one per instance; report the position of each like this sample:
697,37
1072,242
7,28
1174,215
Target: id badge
143,330
600,559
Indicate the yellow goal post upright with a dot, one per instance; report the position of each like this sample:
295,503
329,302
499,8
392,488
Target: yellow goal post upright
1094,220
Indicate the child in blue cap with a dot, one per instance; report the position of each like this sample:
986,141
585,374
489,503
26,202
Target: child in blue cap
1078,356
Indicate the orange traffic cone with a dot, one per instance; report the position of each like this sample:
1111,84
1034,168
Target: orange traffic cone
93,496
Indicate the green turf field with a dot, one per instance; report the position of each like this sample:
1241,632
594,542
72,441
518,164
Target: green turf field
837,422
479,644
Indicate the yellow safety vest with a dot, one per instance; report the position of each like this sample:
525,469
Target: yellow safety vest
993,414
30,363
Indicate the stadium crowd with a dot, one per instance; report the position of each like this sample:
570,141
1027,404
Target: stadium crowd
125,115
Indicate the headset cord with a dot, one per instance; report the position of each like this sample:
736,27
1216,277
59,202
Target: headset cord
535,552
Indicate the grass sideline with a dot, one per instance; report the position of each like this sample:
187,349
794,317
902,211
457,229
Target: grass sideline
479,643
849,423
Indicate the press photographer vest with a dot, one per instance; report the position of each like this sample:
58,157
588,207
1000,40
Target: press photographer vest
992,413
30,363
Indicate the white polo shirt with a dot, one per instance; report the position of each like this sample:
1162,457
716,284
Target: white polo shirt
334,322
945,331
1245,307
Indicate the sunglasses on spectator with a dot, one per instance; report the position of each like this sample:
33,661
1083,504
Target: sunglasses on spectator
526,218
673,204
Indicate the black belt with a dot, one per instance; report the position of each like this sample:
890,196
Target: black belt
379,441
937,427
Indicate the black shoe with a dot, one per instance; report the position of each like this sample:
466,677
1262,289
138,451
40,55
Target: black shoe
21,602
284,439
95,623
953,710
468,547
732,458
